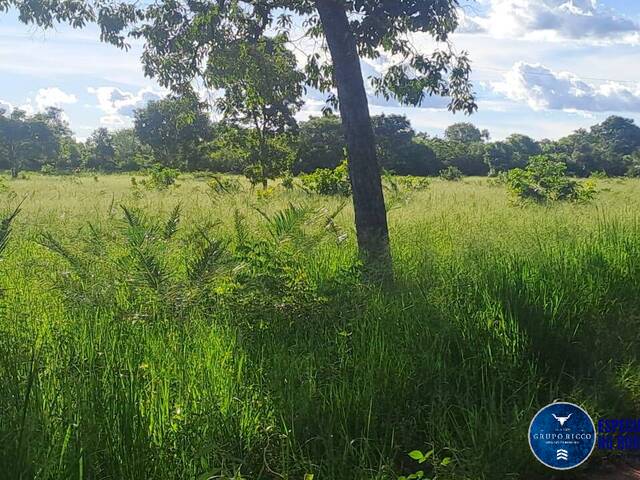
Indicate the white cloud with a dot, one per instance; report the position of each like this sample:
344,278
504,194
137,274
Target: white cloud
553,20
53,97
118,105
45,97
543,89
6,106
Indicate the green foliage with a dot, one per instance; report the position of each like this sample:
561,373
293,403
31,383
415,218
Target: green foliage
220,184
262,92
161,178
28,142
545,180
415,184
6,222
451,174
100,151
633,164
397,148
321,144
174,128
466,157
48,170
287,181
465,133
328,181
164,342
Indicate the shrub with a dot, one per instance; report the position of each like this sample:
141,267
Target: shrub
599,175
327,181
545,180
287,181
451,174
414,183
161,178
633,162
48,170
220,184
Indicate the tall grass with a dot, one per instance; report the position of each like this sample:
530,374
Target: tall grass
194,334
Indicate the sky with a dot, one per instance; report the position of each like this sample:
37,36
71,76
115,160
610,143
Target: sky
543,68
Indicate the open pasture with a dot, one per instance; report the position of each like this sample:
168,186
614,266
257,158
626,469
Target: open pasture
195,333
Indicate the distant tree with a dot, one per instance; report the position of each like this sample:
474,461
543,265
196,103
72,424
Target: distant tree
614,139
225,152
71,155
619,135
466,157
321,144
25,142
129,152
499,156
60,147
397,149
175,128
466,133
400,150
523,148
100,152
262,92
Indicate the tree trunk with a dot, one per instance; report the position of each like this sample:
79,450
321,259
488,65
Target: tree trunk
364,170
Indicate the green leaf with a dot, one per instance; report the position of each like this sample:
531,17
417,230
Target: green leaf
417,455
445,461
308,476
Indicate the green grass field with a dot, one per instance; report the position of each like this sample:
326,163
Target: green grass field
233,337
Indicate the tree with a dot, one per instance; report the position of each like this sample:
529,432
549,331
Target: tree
175,128
100,151
466,157
263,91
466,133
25,141
321,144
499,157
128,151
396,149
522,148
183,41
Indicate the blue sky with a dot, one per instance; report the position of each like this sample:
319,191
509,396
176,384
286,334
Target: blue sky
541,67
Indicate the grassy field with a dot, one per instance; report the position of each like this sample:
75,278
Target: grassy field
232,337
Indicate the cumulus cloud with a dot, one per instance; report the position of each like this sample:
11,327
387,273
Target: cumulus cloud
119,105
53,97
5,106
543,89
553,20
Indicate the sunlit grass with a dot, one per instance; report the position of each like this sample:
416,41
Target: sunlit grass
284,363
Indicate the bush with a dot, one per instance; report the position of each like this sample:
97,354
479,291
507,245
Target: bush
287,181
48,170
545,180
220,184
451,173
161,178
599,175
413,183
326,181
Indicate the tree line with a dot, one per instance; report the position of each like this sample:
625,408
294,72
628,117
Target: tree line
178,133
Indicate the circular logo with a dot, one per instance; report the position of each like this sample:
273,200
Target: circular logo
562,436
